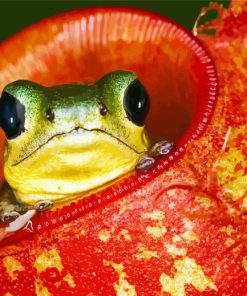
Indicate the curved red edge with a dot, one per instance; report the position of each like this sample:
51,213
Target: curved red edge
50,219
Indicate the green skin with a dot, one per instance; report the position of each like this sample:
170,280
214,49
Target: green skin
74,106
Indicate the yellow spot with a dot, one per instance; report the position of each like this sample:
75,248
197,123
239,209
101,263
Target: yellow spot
122,287
188,224
204,201
124,206
239,61
236,249
124,234
8,294
83,232
154,215
229,230
144,253
234,181
245,205
176,238
69,279
229,242
188,272
12,265
104,235
245,263
174,251
48,259
57,284
40,289
156,231
190,235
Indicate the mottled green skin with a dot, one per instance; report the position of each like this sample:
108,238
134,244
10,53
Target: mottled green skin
74,106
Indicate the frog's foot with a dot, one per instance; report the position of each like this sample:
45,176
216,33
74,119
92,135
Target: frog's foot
43,205
144,164
17,221
17,224
147,161
9,216
161,148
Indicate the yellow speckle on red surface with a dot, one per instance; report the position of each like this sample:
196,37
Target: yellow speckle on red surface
189,235
229,230
40,289
239,61
229,242
8,294
48,258
156,231
188,224
68,278
104,235
245,264
188,272
204,201
175,251
245,205
144,253
155,215
12,265
83,231
231,170
122,287
176,238
124,235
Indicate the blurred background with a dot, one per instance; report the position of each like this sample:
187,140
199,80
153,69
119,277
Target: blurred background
16,15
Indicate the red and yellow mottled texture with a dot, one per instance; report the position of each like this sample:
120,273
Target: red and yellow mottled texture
183,233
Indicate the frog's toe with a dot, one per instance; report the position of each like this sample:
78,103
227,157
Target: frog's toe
43,205
9,216
145,164
161,148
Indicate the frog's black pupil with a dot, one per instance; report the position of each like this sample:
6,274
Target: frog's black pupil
136,103
12,115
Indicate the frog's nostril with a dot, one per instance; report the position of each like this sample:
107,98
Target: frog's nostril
50,115
103,109
12,115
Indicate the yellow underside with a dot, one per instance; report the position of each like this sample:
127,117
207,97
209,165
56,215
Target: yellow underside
69,165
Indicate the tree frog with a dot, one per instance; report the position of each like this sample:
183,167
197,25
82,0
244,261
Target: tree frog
66,140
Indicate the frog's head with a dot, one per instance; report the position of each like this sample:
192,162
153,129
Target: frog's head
72,138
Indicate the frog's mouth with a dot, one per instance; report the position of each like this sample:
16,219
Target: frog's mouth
77,131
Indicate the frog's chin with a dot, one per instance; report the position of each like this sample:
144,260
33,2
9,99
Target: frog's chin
70,165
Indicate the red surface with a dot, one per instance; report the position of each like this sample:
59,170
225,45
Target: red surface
183,218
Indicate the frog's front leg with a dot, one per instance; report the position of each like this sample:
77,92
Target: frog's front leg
43,205
147,161
17,221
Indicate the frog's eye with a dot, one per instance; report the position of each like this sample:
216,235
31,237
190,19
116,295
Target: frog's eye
12,116
136,103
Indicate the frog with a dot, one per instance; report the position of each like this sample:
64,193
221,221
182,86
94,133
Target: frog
66,140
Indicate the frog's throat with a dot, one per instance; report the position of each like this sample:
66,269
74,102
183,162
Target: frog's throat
74,130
